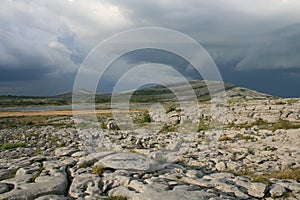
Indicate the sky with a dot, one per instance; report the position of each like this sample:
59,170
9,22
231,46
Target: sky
255,44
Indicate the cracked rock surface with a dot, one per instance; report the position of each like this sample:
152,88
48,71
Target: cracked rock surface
256,156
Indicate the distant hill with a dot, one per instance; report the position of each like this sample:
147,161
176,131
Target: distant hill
154,93
159,93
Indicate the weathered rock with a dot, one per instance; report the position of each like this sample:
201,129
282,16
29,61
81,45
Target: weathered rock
65,151
277,190
254,189
53,197
52,182
85,184
4,174
3,188
94,157
221,166
126,161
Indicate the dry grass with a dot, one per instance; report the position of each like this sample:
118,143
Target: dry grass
291,173
225,138
98,169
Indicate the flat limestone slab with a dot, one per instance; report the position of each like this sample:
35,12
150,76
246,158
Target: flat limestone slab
127,161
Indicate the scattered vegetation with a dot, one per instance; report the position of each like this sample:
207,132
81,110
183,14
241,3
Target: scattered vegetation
12,173
86,164
161,159
292,101
41,169
18,101
182,162
171,108
291,173
262,124
37,121
168,128
225,138
142,118
12,145
116,198
98,169
243,137
203,125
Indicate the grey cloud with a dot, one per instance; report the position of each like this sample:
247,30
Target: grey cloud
280,50
49,39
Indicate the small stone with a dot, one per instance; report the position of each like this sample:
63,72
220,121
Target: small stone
221,166
172,183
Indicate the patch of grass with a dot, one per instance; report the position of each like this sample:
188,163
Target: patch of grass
292,101
225,138
168,128
12,173
6,146
37,174
86,164
36,121
279,103
182,162
288,174
161,159
116,198
284,124
262,124
203,126
291,173
243,137
142,118
171,108
98,169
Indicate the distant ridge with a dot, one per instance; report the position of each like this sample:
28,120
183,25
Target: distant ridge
159,93
76,92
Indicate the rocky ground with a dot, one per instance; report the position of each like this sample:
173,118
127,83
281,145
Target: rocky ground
256,155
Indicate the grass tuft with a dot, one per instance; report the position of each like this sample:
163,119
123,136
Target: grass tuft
98,169
116,198
6,146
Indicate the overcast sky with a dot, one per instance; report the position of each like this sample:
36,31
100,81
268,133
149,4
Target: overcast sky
255,44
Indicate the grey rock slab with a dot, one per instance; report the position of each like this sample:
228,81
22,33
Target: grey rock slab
85,183
277,190
94,157
4,174
290,184
173,194
3,188
137,186
55,182
79,154
253,189
64,151
53,197
122,191
126,161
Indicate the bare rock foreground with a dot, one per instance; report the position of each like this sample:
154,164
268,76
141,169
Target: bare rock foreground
256,156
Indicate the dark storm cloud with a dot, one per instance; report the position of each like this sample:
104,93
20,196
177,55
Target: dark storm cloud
47,40
229,29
